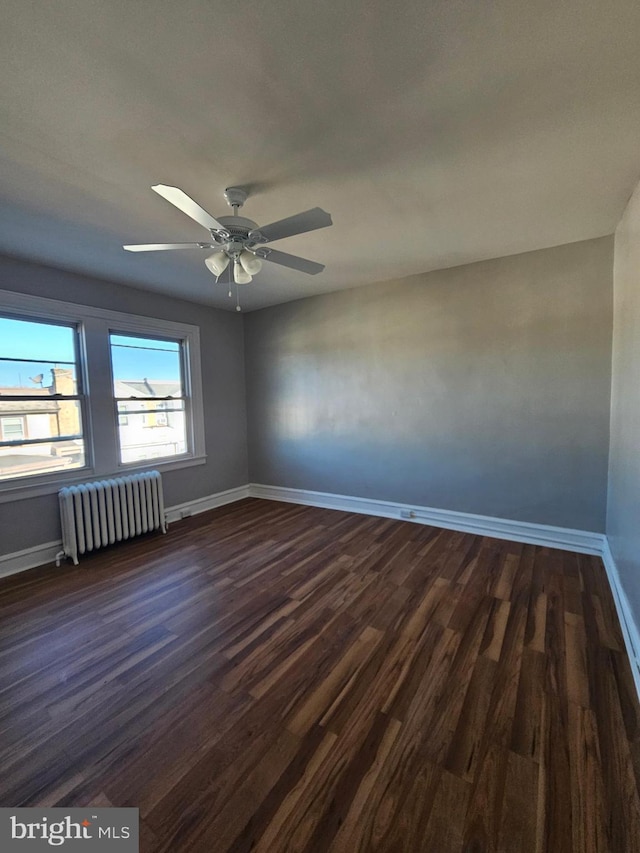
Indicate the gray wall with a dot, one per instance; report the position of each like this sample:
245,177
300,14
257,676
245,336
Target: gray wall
483,388
623,512
30,522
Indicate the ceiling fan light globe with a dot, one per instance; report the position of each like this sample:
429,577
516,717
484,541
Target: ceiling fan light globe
250,263
240,275
217,263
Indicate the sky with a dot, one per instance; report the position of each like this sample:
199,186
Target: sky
50,346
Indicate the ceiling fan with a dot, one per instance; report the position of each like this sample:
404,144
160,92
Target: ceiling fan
237,240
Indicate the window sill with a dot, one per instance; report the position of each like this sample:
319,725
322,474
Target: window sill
24,491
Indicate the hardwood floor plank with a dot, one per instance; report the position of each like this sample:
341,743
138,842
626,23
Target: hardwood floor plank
324,698
491,646
526,737
576,659
615,755
518,825
537,612
588,797
350,829
557,827
464,752
484,812
445,829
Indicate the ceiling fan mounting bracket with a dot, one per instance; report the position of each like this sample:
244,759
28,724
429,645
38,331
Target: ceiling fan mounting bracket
235,197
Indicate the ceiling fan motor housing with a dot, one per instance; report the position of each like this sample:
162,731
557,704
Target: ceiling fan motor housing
238,228
237,224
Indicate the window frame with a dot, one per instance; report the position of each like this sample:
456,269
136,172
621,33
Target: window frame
184,398
79,397
100,419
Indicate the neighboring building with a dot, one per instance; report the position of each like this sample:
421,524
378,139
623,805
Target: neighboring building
21,420
40,416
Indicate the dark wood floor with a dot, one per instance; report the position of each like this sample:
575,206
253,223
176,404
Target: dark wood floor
285,678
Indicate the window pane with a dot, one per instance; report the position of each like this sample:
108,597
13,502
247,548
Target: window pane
152,435
22,377
39,418
146,369
36,340
43,457
37,362
36,357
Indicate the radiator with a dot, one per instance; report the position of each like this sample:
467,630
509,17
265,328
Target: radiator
97,514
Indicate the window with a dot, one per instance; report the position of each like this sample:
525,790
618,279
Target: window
148,384
13,429
40,399
87,393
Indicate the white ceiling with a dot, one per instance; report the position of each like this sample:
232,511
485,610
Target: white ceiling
436,133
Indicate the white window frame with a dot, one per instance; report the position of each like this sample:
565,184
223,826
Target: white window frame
100,426
182,355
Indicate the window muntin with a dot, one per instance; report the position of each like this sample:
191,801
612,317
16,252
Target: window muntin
150,397
41,398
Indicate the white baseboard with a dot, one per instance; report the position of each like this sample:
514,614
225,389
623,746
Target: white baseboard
175,513
29,558
625,615
536,534
582,541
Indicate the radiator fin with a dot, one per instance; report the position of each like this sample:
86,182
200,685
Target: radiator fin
93,515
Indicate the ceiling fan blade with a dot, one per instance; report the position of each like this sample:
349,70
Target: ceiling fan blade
309,220
161,247
187,205
291,261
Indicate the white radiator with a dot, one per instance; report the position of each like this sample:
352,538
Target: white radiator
97,514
